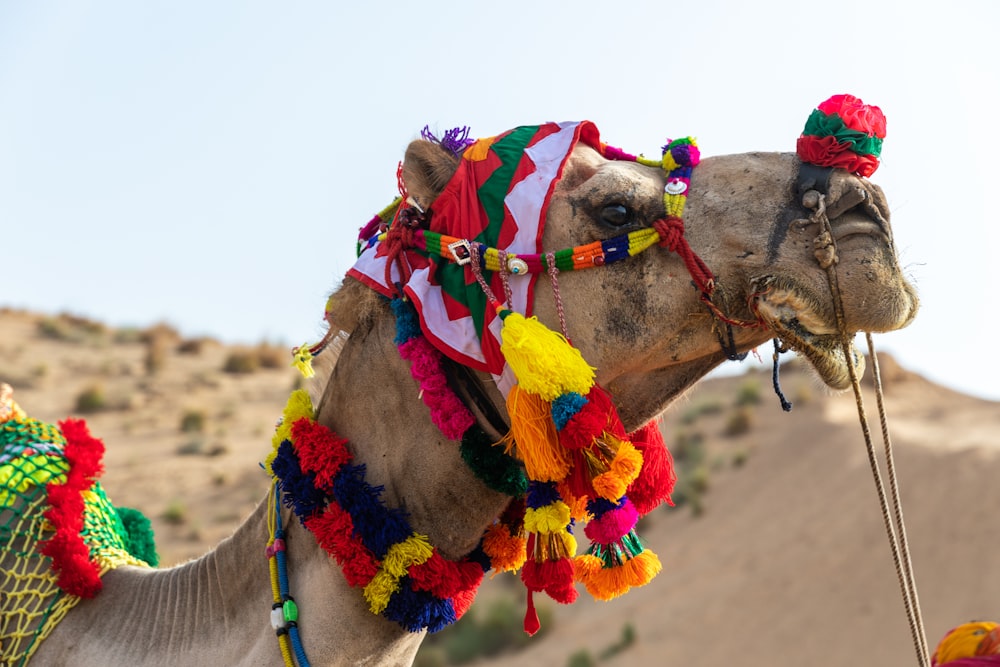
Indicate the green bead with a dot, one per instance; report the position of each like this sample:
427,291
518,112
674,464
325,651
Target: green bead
290,610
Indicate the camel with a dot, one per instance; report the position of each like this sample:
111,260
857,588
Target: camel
639,322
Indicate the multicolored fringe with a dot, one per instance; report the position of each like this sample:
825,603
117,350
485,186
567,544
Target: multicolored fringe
566,431
843,132
59,533
403,577
489,463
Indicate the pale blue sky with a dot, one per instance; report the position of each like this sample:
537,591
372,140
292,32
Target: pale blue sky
209,163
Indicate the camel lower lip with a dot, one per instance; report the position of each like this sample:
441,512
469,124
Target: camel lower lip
802,331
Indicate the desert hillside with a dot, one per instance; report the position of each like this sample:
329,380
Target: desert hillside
775,555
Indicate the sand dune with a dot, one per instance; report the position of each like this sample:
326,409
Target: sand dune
787,563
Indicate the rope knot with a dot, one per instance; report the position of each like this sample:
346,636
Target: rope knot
671,230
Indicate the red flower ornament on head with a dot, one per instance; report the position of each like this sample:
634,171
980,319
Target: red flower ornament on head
843,132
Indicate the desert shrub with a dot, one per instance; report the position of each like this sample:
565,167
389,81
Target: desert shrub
193,346
91,399
241,361
175,513
706,406
740,457
689,447
748,393
193,421
72,329
739,422
157,350
273,356
626,640
581,658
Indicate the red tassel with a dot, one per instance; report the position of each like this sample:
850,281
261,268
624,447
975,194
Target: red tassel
462,601
320,450
598,415
77,575
334,531
531,622
657,478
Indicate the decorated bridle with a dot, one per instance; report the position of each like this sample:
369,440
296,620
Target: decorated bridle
566,459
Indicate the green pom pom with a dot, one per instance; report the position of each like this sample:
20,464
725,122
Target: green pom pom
139,541
491,464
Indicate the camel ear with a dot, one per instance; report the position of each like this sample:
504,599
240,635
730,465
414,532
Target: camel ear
427,168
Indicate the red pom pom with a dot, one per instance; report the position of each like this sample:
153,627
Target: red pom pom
462,601
319,449
656,480
597,416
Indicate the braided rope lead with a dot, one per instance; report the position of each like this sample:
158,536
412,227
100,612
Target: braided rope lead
894,490
826,255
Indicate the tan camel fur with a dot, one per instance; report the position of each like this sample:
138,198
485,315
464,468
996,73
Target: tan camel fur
638,321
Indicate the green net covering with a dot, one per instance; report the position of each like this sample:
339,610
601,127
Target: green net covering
33,595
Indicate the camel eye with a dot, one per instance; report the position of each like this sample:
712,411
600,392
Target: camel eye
617,215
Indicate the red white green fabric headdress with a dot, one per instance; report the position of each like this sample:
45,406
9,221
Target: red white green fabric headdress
499,197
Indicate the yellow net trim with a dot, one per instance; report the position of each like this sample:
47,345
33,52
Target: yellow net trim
32,603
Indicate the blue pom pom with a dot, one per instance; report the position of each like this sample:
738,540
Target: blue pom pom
416,610
407,322
541,494
598,507
565,407
299,488
378,526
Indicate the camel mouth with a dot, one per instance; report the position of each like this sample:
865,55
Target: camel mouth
801,328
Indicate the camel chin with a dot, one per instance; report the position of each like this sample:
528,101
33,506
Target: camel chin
802,330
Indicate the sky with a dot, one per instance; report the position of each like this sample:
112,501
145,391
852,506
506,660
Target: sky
208,164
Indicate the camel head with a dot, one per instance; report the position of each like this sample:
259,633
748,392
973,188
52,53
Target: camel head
752,219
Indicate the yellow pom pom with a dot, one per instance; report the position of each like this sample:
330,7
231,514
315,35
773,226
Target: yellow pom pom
299,405
535,434
414,550
302,360
379,590
548,519
543,361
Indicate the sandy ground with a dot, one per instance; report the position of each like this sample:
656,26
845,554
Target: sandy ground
787,564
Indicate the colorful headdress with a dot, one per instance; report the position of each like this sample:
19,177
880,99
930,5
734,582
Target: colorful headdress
843,132
469,266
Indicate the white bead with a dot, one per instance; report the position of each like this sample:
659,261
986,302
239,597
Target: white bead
676,187
277,618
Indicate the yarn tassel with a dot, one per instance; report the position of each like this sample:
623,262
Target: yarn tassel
543,361
302,360
656,480
534,432
610,570
606,468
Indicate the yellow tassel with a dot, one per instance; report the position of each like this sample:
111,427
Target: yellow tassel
548,519
302,360
414,550
299,405
534,432
379,590
543,361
